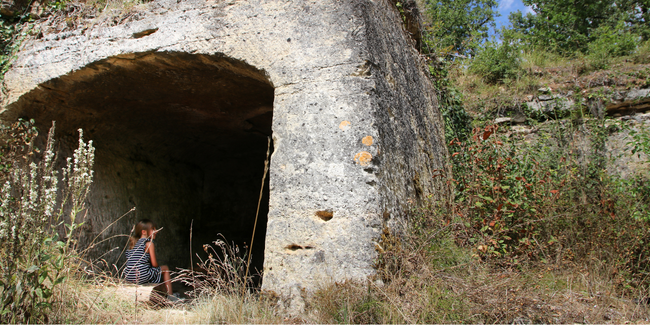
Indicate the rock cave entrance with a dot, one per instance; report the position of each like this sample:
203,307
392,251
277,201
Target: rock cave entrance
181,137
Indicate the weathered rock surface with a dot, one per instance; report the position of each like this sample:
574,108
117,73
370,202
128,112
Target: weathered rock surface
635,100
179,99
617,145
547,104
613,103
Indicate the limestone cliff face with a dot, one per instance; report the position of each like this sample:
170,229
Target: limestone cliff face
180,98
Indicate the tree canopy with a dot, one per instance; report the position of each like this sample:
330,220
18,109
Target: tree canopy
459,26
567,26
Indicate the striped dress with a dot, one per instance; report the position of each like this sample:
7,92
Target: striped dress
138,268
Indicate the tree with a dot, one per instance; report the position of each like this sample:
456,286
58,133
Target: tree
458,26
567,26
638,17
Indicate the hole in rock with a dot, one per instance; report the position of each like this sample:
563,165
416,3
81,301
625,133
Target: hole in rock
295,247
144,33
325,215
181,137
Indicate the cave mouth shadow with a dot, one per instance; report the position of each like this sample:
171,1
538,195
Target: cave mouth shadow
181,137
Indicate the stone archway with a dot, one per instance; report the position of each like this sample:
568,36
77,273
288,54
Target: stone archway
180,137
358,138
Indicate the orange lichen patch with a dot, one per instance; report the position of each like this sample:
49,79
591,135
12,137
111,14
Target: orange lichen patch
344,125
363,158
367,140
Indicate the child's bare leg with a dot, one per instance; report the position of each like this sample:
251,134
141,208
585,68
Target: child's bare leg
167,279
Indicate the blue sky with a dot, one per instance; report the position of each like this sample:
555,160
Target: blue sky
506,7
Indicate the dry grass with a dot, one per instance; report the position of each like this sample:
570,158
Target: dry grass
464,289
246,308
220,296
423,277
547,295
541,69
85,302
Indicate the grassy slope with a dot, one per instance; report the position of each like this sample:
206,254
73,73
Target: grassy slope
558,73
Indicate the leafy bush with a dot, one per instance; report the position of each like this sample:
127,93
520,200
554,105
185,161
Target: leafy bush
539,221
502,194
642,53
639,141
549,201
450,101
34,259
610,43
497,61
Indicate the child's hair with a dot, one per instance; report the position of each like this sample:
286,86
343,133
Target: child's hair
144,224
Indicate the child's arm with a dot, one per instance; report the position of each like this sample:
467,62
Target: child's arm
148,248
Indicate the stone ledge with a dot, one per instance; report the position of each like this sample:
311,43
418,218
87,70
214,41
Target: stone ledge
142,293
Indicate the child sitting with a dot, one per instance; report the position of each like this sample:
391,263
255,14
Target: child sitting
141,265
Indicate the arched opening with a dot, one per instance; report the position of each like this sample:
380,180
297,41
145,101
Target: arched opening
181,137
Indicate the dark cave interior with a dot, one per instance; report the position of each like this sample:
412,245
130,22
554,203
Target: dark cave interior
181,137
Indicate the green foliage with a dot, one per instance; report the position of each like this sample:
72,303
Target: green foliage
636,14
501,193
458,26
547,200
57,5
539,58
642,53
34,202
566,27
519,202
457,121
498,61
12,31
450,102
538,212
610,43
639,141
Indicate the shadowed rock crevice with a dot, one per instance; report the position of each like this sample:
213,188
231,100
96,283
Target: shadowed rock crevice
181,137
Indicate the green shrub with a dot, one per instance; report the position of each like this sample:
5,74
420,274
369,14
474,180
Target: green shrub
498,61
642,53
501,194
610,43
519,201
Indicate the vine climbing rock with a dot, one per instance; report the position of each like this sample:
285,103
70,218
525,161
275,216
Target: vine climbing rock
179,98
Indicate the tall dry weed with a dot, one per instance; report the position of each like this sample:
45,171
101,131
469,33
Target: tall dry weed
39,211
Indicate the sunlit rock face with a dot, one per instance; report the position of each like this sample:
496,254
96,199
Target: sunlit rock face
181,98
